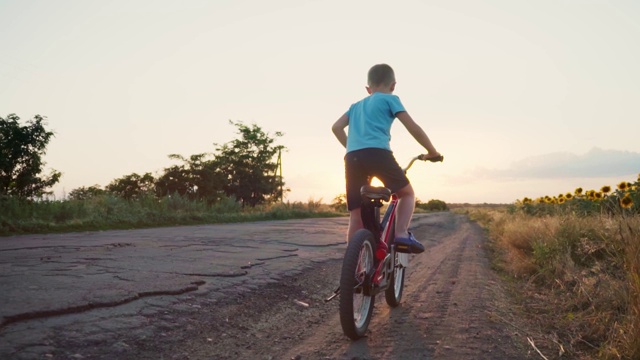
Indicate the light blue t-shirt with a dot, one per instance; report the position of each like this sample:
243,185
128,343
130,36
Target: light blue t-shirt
370,121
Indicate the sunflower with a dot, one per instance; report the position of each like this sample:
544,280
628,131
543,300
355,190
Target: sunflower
578,191
569,196
561,200
560,196
524,201
626,202
605,189
598,195
622,186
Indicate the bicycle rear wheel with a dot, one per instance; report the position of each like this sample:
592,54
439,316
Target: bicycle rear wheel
356,299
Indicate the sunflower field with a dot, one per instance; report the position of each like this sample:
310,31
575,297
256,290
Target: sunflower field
622,199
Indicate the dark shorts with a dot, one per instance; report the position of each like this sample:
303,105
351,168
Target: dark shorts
362,164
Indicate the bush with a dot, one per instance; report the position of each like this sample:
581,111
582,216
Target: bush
432,205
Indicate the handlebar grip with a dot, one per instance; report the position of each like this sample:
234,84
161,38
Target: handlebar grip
435,159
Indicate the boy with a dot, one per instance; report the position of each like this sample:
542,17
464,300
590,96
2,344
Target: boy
369,154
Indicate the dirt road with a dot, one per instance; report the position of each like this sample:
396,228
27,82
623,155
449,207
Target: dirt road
454,306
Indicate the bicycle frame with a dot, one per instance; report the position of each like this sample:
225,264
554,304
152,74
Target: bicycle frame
377,279
383,233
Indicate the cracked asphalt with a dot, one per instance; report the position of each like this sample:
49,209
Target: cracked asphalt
70,282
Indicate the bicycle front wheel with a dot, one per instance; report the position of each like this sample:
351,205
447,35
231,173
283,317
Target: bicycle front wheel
393,294
356,299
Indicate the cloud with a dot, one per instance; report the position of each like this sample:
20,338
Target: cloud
595,163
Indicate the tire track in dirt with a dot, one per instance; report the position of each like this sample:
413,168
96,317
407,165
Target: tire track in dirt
444,311
424,316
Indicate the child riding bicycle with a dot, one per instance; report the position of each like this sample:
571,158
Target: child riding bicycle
369,153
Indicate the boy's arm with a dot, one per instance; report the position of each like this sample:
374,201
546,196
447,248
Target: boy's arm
338,129
416,131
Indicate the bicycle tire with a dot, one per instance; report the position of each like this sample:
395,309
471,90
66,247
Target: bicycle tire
356,308
393,293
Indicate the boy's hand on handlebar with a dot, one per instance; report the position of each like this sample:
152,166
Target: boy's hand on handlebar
433,157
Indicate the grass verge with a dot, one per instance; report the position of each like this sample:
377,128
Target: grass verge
108,212
578,277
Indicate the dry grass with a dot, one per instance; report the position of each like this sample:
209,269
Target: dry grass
579,277
630,337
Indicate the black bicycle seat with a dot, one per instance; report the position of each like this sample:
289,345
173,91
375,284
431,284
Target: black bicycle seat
375,192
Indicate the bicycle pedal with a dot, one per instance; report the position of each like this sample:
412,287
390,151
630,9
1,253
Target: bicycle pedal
335,293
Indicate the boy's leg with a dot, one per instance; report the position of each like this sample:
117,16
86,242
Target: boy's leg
385,167
356,176
355,222
404,211
404,240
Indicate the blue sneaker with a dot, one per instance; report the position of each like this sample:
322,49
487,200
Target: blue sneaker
408,245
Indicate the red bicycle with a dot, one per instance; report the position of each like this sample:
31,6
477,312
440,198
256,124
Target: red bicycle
372,264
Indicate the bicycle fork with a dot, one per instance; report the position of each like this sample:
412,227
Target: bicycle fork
365,285
373,282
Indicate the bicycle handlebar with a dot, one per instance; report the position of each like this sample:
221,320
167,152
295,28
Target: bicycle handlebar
423,157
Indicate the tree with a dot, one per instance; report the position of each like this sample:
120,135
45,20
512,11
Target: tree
132,187
85,193
21,152
339,202
176,179
248,167
196,178
208,180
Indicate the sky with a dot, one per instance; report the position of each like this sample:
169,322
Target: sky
523,98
